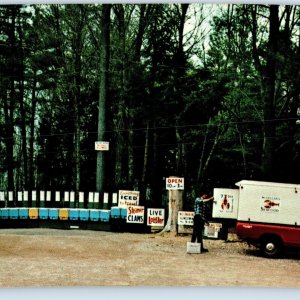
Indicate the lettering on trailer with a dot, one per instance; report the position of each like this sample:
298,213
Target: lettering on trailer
173,183
129,198
135,214
270,204
185,218
155,216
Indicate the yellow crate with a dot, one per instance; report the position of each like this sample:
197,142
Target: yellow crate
33,213
63,214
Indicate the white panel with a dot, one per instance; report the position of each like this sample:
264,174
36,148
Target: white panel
10,196
72,196
57,196
25,196
81,197
48,196
2,196
105,198
225,203
42,195
115,198
33,195
20,196
91,197
67,197
96,197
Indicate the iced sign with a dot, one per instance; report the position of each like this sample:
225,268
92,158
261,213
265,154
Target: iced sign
129,198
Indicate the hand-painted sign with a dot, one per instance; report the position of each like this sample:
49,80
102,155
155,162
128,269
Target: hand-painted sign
102,146
185,218
155,217
135,214
174,183
129,198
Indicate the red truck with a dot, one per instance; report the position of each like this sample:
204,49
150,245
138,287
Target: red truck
267,214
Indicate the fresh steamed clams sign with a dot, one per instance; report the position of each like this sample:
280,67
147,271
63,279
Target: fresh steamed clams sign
135,214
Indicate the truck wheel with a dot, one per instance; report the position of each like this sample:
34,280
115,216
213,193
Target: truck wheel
271,247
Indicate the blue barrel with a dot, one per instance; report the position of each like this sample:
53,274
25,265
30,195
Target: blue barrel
74,214
23,213
13,213
4,213
43,213
84,214
115,212
53,213
104,215
123,212
94,214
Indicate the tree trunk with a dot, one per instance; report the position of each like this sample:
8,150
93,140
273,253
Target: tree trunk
77,99
103,91
175,205
22,109
269,95
32,127
119,121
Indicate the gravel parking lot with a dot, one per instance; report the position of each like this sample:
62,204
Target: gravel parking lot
50,257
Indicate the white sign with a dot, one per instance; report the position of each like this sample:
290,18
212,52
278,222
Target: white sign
129,198
186,218
102,146
212,230
174,183
155,217
135,214
225,203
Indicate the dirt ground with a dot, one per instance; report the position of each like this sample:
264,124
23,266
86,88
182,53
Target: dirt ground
50,257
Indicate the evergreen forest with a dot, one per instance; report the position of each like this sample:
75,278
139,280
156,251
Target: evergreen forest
207,92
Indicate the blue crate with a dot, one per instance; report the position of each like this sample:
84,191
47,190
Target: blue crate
74,214
115,212
94,214
104,215
43,213
123,212
4,213
84,214
23,213
53,213
13,213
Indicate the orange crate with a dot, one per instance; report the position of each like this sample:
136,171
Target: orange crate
33,213
63,214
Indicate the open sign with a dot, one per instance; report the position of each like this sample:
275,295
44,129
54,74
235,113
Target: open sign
174,183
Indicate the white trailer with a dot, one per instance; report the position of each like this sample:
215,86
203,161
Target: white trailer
267,213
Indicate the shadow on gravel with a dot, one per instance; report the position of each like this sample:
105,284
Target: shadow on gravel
288,254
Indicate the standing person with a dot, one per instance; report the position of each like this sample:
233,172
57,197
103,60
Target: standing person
200,220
